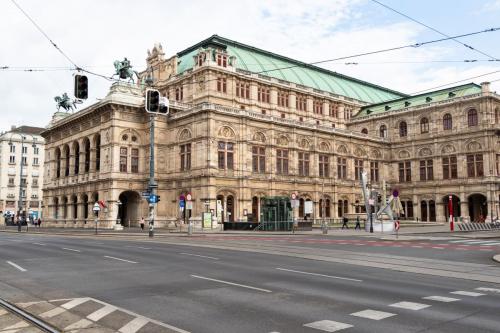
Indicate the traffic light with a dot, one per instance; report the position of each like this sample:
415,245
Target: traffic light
164,106
81,87
152,101
157,198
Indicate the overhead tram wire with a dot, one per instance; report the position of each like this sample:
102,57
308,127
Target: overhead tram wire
435,30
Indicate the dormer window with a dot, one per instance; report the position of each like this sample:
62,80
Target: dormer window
201,58
222,60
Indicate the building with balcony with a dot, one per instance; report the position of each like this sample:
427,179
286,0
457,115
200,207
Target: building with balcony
245,124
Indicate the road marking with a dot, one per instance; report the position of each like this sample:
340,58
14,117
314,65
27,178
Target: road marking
466,293
197,255
417,246
441,299
75,302
328,325
52,313
39,244
493,290
83,323
232,283
410,306
68,249
2,312
317,274
132,262
139,247
17,326
134,325
437,247
101,313
373,314
496,243
16,266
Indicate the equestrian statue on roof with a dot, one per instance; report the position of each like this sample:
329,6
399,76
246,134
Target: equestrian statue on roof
124,70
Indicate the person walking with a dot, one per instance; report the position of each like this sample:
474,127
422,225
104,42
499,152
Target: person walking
358,225
345,221
142,223
39,222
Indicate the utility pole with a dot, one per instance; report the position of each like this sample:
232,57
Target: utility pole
152,184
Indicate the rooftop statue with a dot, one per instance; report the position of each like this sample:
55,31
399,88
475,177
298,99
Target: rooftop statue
124,70
65,102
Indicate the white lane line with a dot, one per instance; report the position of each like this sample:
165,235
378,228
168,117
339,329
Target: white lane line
130,261
41,244
463,241
410,306
441,299
317,274
496,243
437,247
373,314
231,283
493,290
134,325
75,302
101,313
328,325
52,313
417,246
467,293
139,247
198,255
83,323
16,266
68,249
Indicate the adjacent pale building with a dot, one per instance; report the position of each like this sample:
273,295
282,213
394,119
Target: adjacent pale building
21,172
246,124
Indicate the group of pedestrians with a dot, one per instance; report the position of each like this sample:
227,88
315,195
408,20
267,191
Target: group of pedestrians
345,222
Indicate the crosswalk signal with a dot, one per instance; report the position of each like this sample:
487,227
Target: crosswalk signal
81,87
152,101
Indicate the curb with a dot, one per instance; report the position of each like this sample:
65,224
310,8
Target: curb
496,258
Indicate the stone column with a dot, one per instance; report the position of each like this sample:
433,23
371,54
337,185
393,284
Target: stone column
464,207
417,211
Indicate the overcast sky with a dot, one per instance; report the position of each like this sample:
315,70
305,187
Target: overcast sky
94,33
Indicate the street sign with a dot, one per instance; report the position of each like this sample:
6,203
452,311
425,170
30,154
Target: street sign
295,203
371,202
153,198
146,194
294,196
397,224
395,193
182,204
182,197
188,197
96,208
189,205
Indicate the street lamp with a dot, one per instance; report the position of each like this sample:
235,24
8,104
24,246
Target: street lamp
370,203
20,205
96,210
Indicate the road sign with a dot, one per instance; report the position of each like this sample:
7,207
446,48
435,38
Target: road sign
182,204
395,193
182,197
188,197
294,196
189,205
371,202
153,198
96,208
295,203
397,224
146,194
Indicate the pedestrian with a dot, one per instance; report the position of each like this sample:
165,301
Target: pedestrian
358,225
142,223
39,222
345,221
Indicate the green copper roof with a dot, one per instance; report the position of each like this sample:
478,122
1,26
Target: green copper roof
422,99
269,64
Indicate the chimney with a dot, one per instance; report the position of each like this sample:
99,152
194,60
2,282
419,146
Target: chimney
13,127
485,87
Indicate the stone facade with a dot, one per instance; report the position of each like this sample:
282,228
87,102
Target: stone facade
237,137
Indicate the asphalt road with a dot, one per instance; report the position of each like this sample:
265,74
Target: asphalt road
131,286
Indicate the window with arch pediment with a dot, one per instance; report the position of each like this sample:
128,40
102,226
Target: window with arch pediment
447,122
364,131
403,129
424,125
472,118
383,131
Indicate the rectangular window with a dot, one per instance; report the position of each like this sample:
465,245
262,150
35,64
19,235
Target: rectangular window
450,167
404,171
25,150
134,160
341,168
282,161
374,174
259,159
23,182
34,182
358,168
12,148
303,164
498,164
123,159
12,159
11,181
243,90
25,160
301,102
426,170
35,160
282,98
186,157
226,155
179,93
222,60
222,84
475,165
264,94
324,166
333,110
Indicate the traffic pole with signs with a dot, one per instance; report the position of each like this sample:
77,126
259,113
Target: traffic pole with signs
96,210
450,208
189,207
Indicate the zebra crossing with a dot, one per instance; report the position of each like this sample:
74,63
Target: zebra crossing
476,242
85,313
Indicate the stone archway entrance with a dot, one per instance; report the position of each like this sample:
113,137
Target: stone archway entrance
130,208
456,207
478,207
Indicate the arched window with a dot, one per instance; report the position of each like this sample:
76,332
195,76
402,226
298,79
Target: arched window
383,131
497,115
97,152
447,122
76,151
66,159
472,117
403,129
364,131
424,125
58,163
86,144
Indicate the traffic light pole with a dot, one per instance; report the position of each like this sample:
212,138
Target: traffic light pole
152,183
